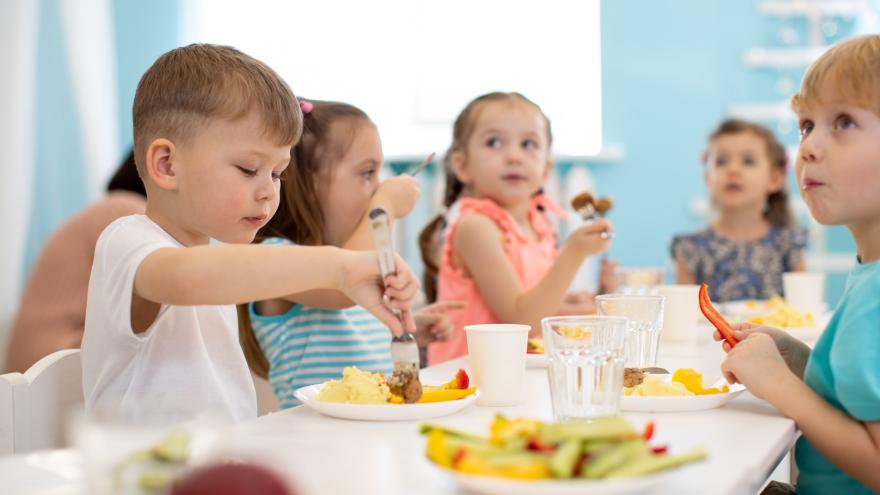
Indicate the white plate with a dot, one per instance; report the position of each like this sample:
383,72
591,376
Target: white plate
743,310
536,360
381,412
680,403
489,485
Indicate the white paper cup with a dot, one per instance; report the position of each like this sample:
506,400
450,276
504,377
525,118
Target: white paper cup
497,356
681,313
804,290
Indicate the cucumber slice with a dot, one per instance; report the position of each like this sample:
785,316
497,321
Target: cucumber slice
618,455
563,460
654,463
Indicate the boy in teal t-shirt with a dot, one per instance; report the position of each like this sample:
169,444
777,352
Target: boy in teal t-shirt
833,392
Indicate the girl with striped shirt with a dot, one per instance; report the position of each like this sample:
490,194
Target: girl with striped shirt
326,192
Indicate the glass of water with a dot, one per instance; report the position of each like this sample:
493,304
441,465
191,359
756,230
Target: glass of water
585,359
645,315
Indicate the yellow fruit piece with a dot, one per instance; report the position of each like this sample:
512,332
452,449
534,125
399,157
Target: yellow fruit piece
437,394
531,469
504,429
693,381
471,463
445,395
436,449
474,463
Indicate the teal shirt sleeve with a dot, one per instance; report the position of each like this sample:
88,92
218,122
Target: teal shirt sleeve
855,359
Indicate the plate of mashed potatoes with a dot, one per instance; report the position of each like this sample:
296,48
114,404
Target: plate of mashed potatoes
682,391
365,396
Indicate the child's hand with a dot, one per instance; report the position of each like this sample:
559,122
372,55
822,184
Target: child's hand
793,351
586,239
609,279
433,322
399,194
362,283
756,363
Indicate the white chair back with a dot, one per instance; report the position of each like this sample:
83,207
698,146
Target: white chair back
54,390
13,388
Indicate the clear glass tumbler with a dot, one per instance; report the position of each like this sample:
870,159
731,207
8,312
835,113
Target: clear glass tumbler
645,315
585,359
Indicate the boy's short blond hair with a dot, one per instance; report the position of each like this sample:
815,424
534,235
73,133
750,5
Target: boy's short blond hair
849,71
188,86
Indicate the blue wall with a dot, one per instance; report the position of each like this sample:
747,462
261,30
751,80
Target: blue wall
143,31
670,70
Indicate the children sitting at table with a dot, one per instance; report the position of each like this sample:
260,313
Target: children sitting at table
213,129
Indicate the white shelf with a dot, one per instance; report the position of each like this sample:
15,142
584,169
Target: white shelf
608,154
783,58
777,111
814,7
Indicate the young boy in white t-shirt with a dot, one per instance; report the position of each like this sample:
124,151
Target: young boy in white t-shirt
213,129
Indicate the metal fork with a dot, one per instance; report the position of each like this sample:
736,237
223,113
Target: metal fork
404,351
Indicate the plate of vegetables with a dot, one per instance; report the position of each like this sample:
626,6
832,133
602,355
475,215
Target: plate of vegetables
527,456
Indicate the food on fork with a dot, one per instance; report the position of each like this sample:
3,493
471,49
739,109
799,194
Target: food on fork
589,206
602,205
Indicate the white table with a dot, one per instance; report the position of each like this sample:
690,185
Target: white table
745,440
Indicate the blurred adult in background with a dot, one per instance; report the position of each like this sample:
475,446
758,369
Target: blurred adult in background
51,315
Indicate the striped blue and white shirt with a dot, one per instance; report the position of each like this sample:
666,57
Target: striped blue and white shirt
308,345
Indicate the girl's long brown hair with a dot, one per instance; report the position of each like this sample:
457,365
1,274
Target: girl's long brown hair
778,211
299,217
462,130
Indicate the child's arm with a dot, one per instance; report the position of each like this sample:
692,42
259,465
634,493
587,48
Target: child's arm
398,196
478,243
234,274
682,274
852,445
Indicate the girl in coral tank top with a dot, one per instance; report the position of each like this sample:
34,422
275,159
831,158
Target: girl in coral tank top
499,251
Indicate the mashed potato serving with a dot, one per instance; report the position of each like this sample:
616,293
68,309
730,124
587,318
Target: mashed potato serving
356,387
657,386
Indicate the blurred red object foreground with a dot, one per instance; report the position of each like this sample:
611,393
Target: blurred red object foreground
231,479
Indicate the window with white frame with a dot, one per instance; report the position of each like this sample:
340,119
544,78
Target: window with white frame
412,65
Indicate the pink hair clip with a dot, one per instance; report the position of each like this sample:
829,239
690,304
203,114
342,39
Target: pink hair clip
306,106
